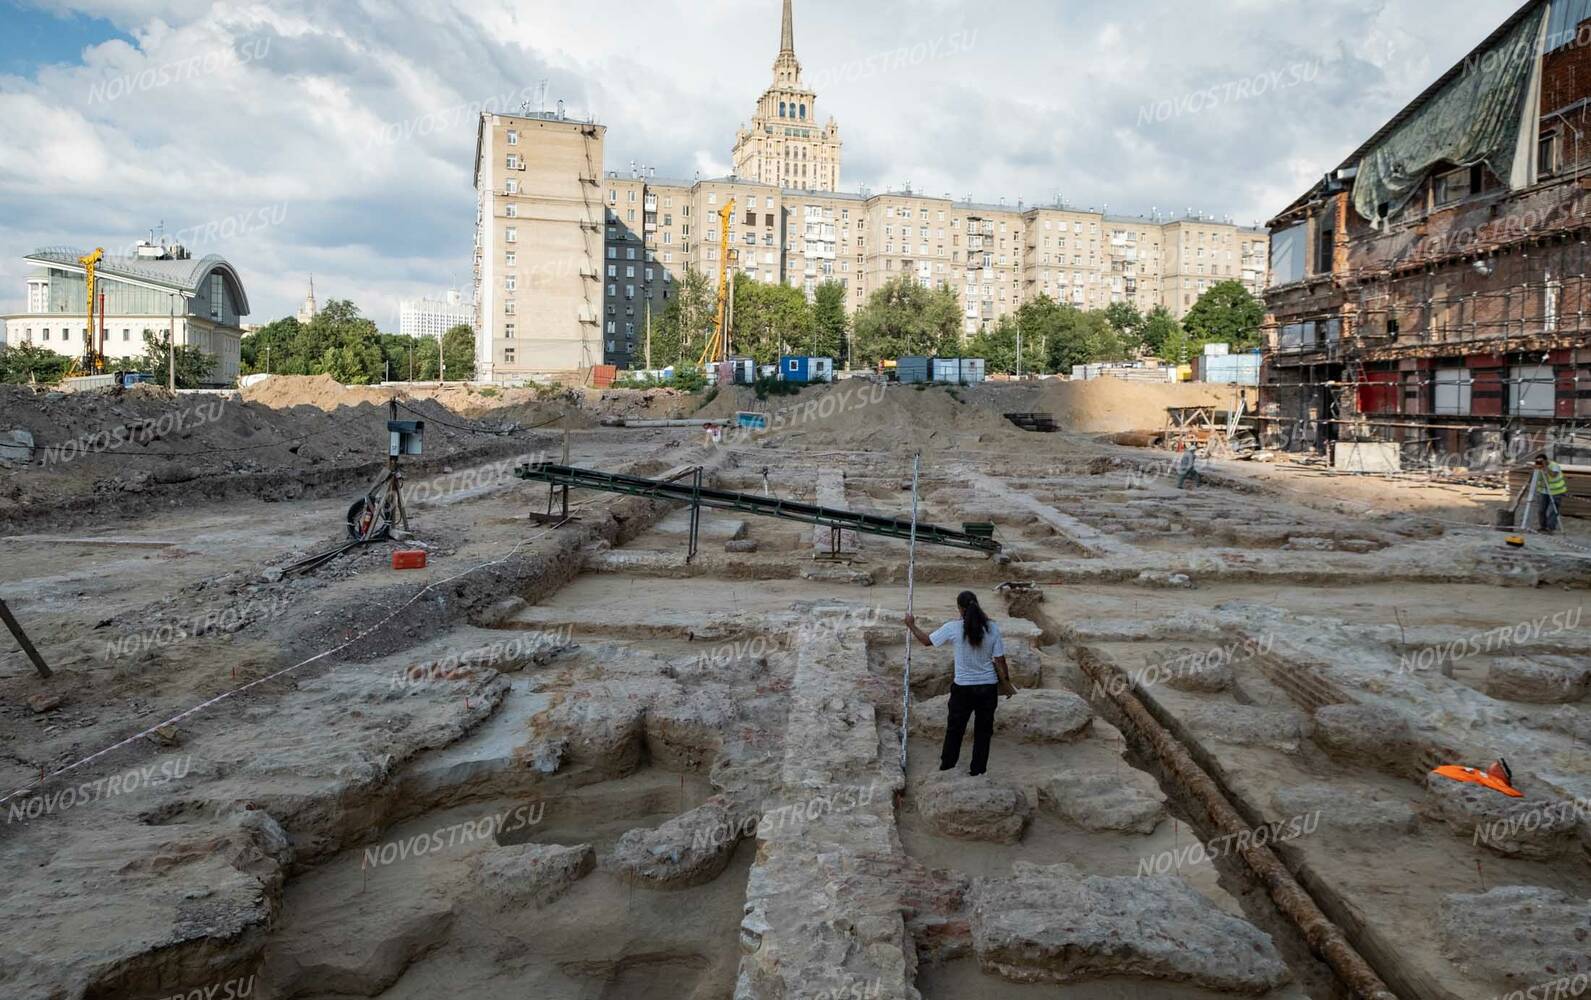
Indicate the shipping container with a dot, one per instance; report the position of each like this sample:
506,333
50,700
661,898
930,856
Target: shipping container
913,368
1228,369
803,368
958,371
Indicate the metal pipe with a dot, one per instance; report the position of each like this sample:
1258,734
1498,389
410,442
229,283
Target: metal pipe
1324,937
686,422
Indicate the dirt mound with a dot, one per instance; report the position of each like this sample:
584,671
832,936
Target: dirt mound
1108,405
320,391
864,415
113,447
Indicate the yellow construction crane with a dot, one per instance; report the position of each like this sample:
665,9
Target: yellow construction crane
92,362
720,338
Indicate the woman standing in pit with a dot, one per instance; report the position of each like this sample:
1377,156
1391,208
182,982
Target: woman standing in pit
981,677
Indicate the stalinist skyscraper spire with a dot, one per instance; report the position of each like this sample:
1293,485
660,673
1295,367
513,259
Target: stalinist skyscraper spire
783,144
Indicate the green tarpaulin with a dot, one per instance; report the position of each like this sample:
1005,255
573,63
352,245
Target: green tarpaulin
1474,119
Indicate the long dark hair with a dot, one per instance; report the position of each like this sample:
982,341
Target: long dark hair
975,624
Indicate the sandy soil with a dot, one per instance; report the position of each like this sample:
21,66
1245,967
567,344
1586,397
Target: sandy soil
1349,571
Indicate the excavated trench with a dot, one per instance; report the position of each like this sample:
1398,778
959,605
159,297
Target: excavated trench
598,825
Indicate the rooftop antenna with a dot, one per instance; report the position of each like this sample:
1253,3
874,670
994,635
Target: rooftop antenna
541,101
560,109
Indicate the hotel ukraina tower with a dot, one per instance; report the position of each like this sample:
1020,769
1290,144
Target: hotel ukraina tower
785,146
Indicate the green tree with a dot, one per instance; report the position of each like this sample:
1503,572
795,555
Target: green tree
1179,346
193,365
997,347
1128,322
458,350
26,363
831,320
904,318
1070,335
680,333
770,320
1227,314
1159,328
271,349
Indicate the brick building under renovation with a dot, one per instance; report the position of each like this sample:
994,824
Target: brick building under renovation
1431,291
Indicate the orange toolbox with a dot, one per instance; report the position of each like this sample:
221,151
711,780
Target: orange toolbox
408,559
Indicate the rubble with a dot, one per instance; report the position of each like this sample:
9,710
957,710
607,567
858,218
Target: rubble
1054,924
973,808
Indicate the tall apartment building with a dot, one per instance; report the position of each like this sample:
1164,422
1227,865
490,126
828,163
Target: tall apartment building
784,145
538,245
587,258
434,317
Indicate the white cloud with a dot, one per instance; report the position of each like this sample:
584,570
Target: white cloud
358,119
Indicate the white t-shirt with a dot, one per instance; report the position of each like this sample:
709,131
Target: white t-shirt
974,664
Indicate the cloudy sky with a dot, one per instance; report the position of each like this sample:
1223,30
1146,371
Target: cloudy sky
336,137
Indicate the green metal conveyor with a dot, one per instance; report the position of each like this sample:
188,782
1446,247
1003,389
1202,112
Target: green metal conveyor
698,496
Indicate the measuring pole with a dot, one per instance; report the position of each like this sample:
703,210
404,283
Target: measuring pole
1530,499
911,579
23,641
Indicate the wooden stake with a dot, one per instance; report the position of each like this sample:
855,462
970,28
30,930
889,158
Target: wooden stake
23,641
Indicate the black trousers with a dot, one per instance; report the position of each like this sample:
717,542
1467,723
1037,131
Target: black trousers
978,701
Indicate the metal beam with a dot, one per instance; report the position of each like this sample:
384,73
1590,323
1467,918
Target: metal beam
753,503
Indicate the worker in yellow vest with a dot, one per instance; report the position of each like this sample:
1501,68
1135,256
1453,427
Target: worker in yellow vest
1551,487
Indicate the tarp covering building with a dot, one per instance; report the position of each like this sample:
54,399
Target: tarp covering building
1475,118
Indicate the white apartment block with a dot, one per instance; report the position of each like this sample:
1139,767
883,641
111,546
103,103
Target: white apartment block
434,317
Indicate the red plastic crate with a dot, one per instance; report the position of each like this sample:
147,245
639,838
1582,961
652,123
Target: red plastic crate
408,559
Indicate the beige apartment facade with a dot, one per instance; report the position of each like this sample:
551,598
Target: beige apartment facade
573,263
993,257
539,246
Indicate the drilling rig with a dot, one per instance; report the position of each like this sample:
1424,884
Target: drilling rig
718,346
93,360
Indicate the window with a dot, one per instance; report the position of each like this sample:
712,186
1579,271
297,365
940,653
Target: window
508,331
1452,397
511,211
217,296
1287,254
510,282
127,335
1563,26
1547,155
511,187
1456,185
513,161
513,137
508,355
510,259
1531,391
510,235
508,308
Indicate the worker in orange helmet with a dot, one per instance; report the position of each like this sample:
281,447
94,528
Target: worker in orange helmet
1499,777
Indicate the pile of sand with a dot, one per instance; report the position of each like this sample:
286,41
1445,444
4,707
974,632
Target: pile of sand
320,391
1108,405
